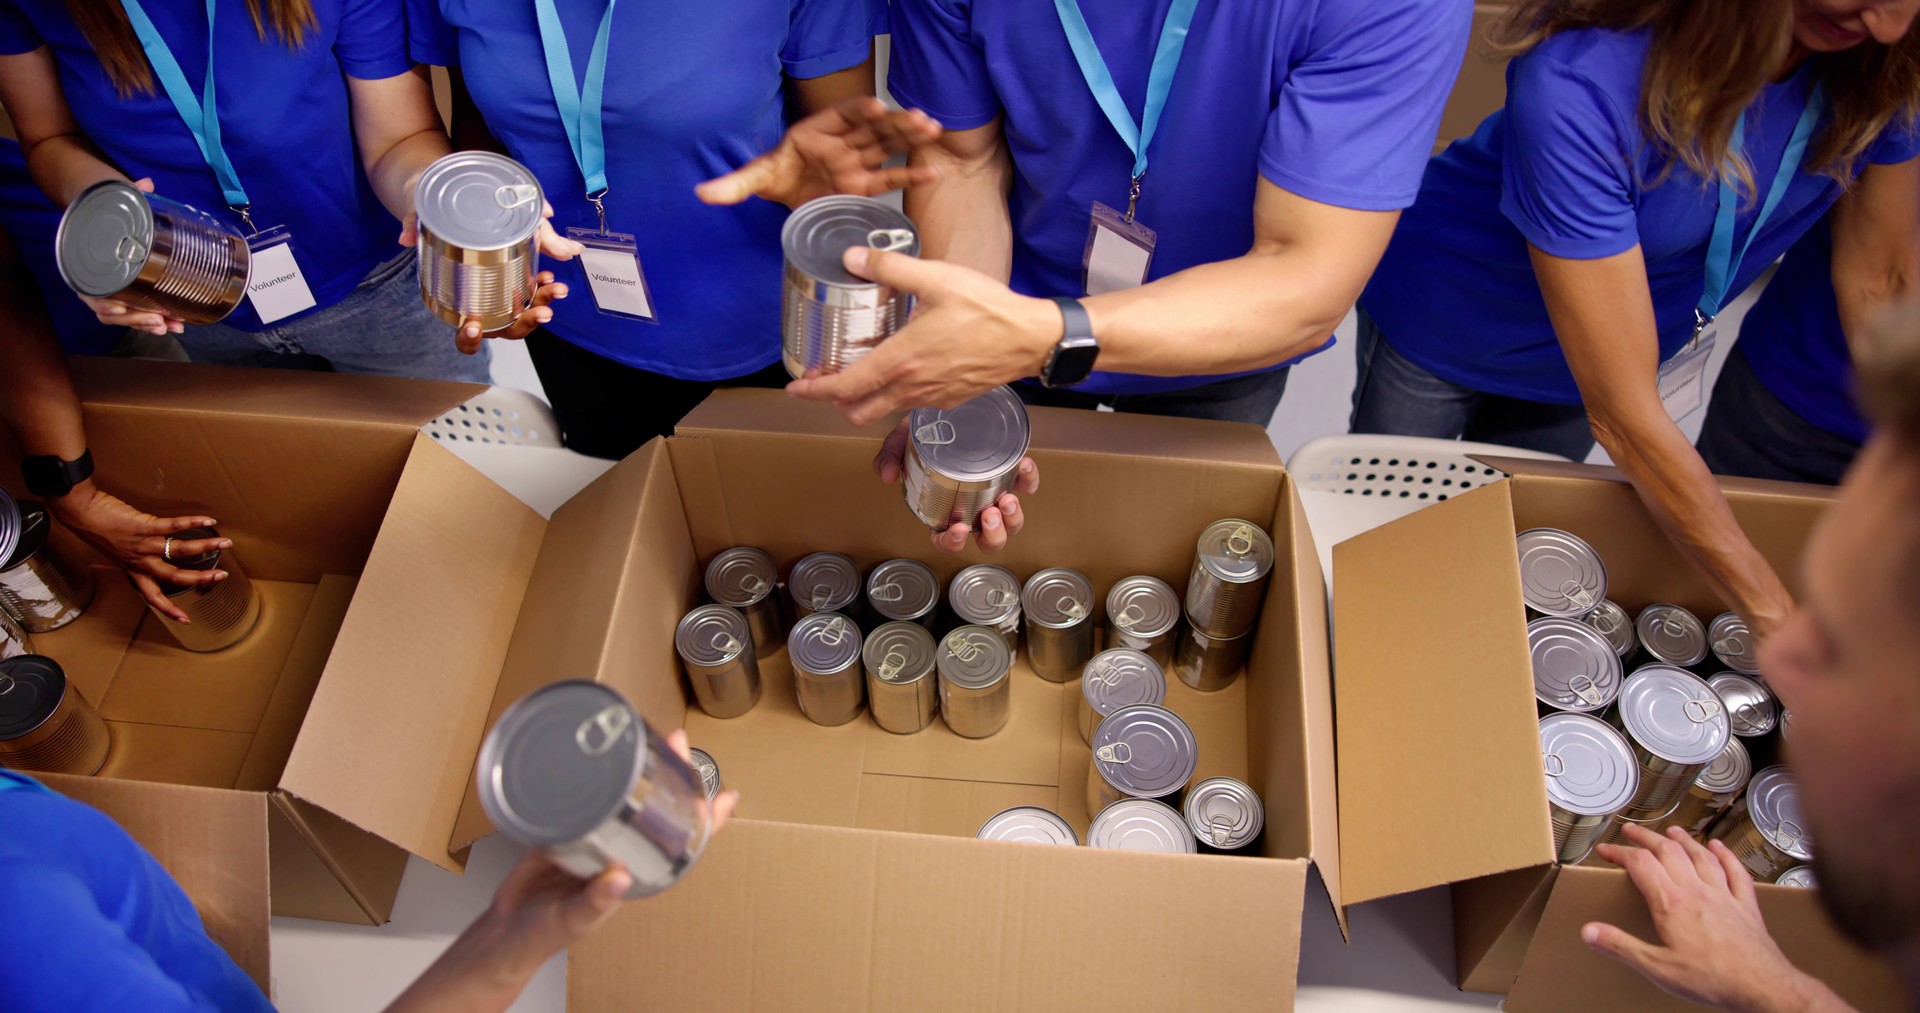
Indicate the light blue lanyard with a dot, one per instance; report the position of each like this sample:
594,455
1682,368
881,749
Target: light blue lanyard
1722,262
199,113
1166,59
580,110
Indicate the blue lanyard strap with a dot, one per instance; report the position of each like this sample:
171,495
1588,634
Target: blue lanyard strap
1722,262
1166,59
579,110
200,113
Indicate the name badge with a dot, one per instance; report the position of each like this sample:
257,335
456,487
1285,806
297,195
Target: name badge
1683,378
1118,251
275,285
614,277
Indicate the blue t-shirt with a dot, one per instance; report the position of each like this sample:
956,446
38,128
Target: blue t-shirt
94,923
1567,168
1793,340
32,222
1333,100
693,91
283,117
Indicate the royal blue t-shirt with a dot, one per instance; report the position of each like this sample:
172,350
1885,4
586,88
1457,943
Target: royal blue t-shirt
1333,100
693,91
283,118
32,222
94,923
1565,167
1793,340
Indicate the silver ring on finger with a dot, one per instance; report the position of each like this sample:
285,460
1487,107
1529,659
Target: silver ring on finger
166,549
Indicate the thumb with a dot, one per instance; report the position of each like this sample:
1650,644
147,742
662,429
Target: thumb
144,184
754,177
900,270
1625,947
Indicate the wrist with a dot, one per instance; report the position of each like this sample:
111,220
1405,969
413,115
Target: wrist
1040,329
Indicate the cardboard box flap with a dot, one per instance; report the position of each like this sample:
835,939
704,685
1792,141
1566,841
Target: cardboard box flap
391,734
1316,680
1522,469
279,393
1433,692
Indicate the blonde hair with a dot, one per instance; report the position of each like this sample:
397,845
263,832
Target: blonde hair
105,24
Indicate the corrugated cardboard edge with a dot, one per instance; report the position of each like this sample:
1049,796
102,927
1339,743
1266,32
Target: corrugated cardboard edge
1522,469
1316,676
359,866
1494,918
109,383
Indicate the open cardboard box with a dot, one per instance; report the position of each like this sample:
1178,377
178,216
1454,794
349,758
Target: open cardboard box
1440,775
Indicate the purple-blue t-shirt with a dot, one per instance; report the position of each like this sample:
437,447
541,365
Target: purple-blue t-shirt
284,119
1793,340
1567,168
1333,100
32,222
693,91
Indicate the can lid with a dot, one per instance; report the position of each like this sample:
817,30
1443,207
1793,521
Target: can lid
1590,769
899,652
1773,803
1121,677
713,635
1786,723
1614,624
1674,715
104,238
1574,668
1235,551
1732,642
825,581
1672,634
1560,574
1058,598
984,594
824,643
1028,824
1729,771
31,687
1145,751
818,233
1139,824
1750,705
973,657
903,589
978,441
1800,877
1225,813
32,525
560,762
478,200
1143,606
10,524
709,771
741,576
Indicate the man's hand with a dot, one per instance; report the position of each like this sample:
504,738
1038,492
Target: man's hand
999,522
138,542
114,313
840,149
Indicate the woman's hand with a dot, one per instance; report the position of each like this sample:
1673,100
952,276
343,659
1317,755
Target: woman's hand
537,313
999,522
840,149
139,542
114,313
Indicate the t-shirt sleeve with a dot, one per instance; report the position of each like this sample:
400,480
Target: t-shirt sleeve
1898,142
430,39
372,43
1356,119
69,955
1566,181
937,64
825,36
17,34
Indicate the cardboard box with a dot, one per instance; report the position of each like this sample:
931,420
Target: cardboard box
1440,776
1481,88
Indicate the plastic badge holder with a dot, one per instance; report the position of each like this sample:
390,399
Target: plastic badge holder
611,262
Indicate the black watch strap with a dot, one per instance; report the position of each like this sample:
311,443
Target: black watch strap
1074,315
50,476
1072,358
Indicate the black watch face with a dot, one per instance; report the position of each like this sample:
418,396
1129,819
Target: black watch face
45,477
1072,365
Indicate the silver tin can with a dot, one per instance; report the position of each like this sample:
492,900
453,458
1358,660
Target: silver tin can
1574,668
1210,663
1139,824
1713,792
1677,726
41,586
1671,635
961,460
988,595
1786,724
830,317
1232,561
825,582
1614,624
13,640
716,649
825,650
1765,830
1225,814
1734,643
709,772
574,770
142,249
480,216
1591,775
1115,678
223,613
745,578
45,724
1029,824
1800,877
1560,574
902,689
1058,605
904,590
1142,751
976,688
1750,705
1143,613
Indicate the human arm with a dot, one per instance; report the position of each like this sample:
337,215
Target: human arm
961,212
1876,243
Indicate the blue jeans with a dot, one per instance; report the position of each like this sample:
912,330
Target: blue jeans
382,328
1241,399
1750,434
1393,396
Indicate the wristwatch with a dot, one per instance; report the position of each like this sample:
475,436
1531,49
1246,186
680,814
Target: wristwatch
1071,361
49,476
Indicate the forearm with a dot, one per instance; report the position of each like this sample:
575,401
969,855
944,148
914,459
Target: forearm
962,216
1865,284
483,971
394,173
66,164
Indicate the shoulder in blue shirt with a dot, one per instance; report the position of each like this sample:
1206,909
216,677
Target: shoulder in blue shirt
1793,340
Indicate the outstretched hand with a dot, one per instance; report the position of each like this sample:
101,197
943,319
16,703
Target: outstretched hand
840,149
998,522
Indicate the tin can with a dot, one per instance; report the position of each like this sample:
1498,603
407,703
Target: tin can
116,242
1591,775
987,595
825,582
1225,815
41,586
1115,678
1800,877
1734,644
1765,830
223,613
1750,705
1671,635
1231,563
976,691
744,577
45,724
830,317
1139,824
961,460
1574,668
1210,663
902,689
904,590
1143,613
1615,626
13,640
1029,824
1676,725
1142,751
825,650
709,772
480,216
1058,604
573,770
1786,724
1713,792
1560,574
716,649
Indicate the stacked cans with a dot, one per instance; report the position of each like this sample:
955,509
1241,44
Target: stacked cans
42,587
480,216
825,582
976,691
222,613
45,724
827,678
902,688
1115,678
744,578
1058,607
832,318
1574,668
116,242
986,595
1591,775
1713,792
904,590
716,649
961,460
1143,613
1232,562
1765,830
1677,726
1140,752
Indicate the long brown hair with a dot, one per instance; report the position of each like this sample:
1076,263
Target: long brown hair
1707,61
105,24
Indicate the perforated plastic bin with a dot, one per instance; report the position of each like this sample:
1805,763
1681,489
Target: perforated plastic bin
501,416
1412,468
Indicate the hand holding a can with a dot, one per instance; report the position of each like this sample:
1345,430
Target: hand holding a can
537,312
115,313
839,150
139,542
997,523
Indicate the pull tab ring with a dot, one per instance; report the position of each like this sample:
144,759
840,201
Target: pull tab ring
1729,645
1583,687
611,723
725,643
1118,752
832,633
754,584
938,433
1222,827
1071,608
516,195
887,592
822,593
1002,597
1608,624
1104,672
1131,616
964,649
1555,765
1701,711
128,250
6,684
1750,714
893,664
1788,835
1577,593
888,240
1240,542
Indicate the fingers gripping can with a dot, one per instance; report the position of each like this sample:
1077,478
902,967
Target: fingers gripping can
222,613
41,586
716,649
45,724
480,216
987,595
902,689
961,460
832,318
976,693
825,651
709,772
1143,613
116,242
745,578
1058,604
